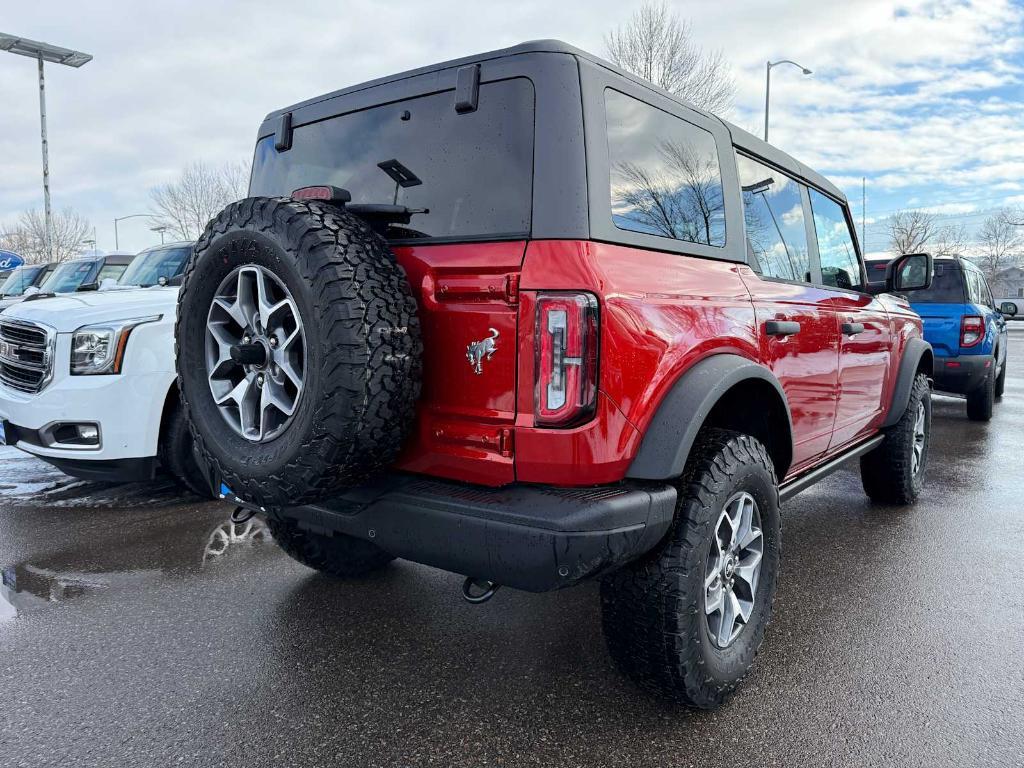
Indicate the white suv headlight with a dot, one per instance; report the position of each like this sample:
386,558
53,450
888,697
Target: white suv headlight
99,349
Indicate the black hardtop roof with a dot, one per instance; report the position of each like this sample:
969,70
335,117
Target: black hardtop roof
740,137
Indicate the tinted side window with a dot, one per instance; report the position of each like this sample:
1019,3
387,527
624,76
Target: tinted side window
840,267
112,271
665,177
977,287
773,213
472,172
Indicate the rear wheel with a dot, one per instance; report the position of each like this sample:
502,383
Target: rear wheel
686,621
339,556
1001,380
893,473
981,400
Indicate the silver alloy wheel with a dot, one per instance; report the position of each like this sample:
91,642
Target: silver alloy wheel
733,568
253,311
919,438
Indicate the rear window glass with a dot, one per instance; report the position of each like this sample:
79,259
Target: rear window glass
473,172
665,177
947,286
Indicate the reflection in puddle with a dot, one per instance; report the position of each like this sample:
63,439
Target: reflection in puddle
25,587
230,534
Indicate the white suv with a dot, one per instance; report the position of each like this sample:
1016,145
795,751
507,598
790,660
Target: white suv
87,380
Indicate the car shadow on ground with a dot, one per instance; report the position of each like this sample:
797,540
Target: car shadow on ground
26,481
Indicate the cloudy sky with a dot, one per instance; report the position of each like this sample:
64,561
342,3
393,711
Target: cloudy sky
925,98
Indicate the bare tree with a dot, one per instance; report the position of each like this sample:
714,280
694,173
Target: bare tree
910,231
27,237
658,46
186,205
950,240
1000,239
1013,215
919,231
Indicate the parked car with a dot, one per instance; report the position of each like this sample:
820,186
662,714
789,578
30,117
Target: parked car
967,331
85,273
87,379
527,318
1013,303
20,280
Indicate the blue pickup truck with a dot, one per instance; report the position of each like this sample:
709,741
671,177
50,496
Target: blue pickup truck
966,329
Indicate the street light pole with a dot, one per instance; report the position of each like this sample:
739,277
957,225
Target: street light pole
117,242
43,52
768,85
46,163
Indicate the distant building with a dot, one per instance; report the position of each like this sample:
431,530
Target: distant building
1009,283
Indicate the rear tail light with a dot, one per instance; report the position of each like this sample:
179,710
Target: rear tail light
972,330
567,341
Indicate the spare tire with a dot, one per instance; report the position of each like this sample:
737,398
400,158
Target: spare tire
298,350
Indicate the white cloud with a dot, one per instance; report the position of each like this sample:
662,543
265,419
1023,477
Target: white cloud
925,102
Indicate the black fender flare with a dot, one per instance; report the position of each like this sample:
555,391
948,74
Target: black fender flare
916,349
683,411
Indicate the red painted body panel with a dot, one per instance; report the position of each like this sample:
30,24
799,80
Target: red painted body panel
465,419
659,314
865,360
805,364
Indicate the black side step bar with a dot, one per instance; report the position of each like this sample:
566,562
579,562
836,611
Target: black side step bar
791,488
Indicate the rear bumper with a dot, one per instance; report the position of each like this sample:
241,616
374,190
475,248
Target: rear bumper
535,538
961,374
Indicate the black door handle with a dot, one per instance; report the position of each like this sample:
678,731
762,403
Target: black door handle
852,329
781,328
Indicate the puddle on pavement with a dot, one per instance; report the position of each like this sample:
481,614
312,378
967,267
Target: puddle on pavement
97,566
26,481
36,584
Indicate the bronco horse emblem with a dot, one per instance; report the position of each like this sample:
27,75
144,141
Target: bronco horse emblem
478,351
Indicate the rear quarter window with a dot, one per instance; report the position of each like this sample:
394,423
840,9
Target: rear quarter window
665,179
473,172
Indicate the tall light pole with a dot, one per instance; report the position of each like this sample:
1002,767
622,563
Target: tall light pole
117,242
768,86
161,229
43,52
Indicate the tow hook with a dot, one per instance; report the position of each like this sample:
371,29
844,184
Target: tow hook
244,510
241,515
485,590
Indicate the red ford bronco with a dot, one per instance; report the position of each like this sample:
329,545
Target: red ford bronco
525,317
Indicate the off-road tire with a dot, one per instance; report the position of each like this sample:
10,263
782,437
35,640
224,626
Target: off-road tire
1001,380
339,556
362,346
981,400
177,454
887,472
653,610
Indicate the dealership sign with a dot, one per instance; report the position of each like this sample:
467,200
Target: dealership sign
9,260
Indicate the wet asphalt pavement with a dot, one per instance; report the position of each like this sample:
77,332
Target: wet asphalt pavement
138,628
